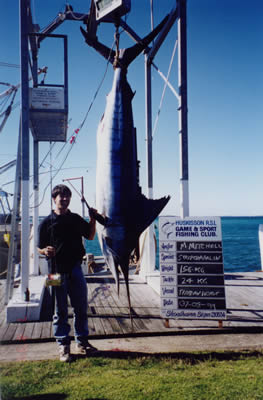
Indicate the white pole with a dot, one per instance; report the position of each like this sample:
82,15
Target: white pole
25,226
35,232
183,129
148,265
260,235
34,229
184,198
25,234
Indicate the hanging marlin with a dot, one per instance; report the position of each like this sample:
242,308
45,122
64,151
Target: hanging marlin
119,199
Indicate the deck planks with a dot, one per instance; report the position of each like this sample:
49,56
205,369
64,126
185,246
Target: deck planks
108,313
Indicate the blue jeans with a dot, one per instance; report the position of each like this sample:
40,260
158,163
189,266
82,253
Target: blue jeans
74,286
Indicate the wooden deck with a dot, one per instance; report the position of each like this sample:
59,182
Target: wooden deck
109,316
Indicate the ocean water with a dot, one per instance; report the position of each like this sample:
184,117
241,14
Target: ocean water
240,244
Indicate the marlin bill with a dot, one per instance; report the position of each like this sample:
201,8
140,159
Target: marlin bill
119,198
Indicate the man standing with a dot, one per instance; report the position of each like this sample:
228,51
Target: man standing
60,240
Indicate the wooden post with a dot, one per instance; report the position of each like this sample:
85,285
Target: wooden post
166,323
220,324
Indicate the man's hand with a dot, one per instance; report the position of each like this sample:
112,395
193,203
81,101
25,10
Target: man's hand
49,251
95,216
92,213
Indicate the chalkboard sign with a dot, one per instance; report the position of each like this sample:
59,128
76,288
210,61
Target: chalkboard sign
191,268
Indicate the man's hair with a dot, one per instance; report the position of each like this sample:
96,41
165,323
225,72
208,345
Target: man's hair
63,190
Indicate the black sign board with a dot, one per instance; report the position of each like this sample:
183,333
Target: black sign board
191,268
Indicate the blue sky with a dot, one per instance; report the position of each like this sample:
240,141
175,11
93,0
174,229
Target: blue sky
225,89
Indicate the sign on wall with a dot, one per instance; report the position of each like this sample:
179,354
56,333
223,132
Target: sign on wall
47,98
191,268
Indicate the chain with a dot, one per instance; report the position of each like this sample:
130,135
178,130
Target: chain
117,42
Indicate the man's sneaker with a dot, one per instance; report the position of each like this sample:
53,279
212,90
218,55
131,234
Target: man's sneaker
84,349
64,353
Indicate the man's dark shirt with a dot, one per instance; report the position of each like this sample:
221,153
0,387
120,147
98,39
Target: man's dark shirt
64,232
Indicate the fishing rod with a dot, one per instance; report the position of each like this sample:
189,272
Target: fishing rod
92,212
98,217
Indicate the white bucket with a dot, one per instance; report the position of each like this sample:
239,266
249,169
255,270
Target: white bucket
43,265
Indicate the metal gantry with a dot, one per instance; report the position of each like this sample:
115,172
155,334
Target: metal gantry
28,34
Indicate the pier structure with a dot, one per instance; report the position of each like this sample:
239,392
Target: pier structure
109,316
44,111
51,125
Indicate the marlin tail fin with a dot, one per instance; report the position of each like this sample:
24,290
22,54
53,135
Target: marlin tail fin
128,55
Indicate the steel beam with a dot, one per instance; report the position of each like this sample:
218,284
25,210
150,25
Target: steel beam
25,226
182,109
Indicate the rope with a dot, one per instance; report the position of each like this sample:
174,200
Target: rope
76,132
5,64
164,89
50,170
75,17
73,187
72,140
3,104
8,110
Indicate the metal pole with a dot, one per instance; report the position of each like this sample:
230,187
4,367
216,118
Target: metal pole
82,196
36,208
13,249
25,227
152,21
148,112
36,180
260,236
149,241
66,72
183,128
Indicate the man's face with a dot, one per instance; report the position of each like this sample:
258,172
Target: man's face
62,202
